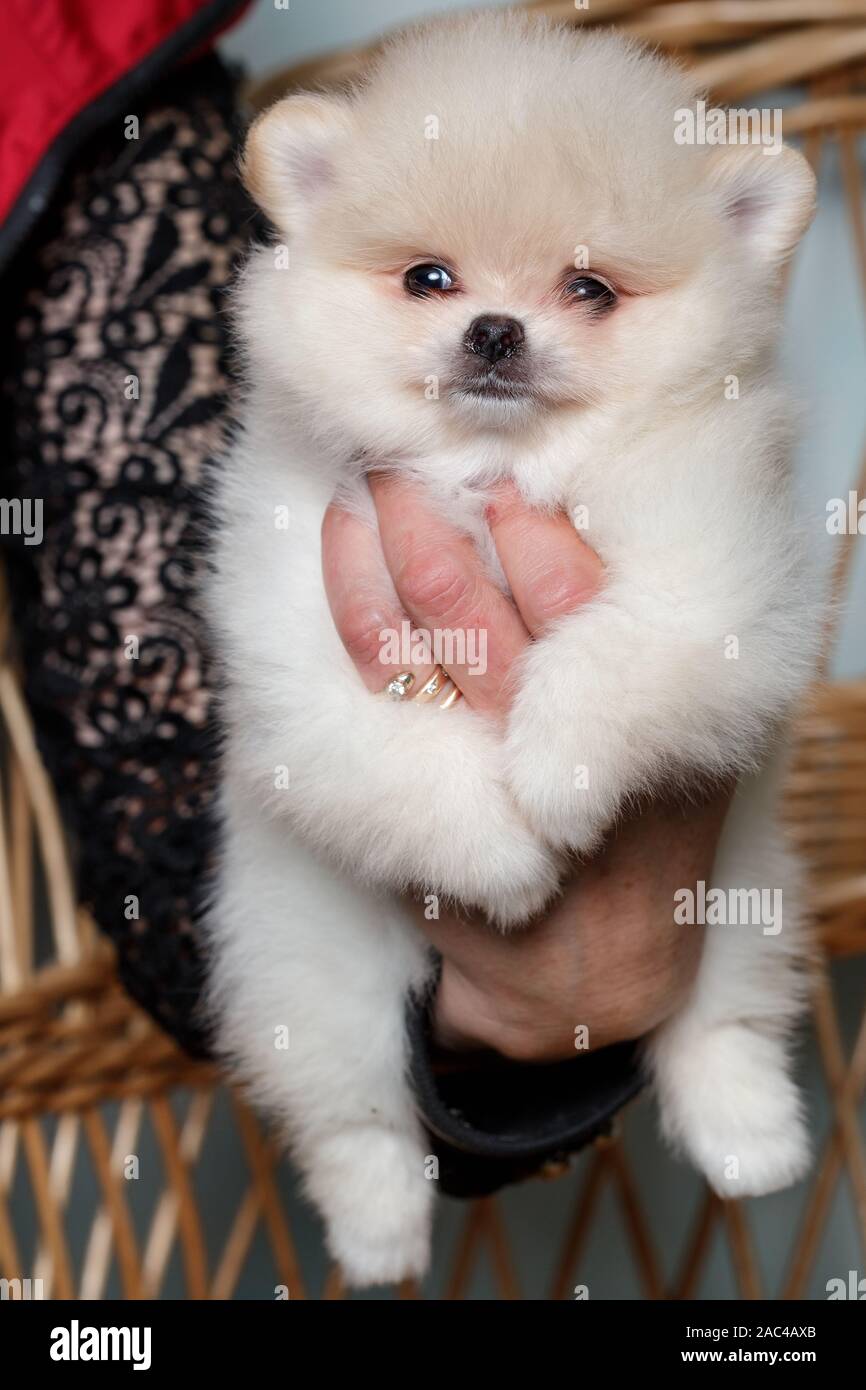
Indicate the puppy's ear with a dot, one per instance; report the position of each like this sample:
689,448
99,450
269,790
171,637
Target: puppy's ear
769,198
287,162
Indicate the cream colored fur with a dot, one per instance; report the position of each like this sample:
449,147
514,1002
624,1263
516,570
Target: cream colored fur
547,142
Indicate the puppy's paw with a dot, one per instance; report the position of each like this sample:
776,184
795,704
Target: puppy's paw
478,849
562,788
576,743
555,801
433,813
506,871
730,1105
369,1184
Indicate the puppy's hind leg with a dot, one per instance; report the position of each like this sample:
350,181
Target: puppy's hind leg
723,1065
310,981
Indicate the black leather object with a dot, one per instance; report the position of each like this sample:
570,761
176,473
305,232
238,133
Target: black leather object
493,1121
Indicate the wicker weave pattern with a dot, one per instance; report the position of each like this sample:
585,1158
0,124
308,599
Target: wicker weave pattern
71,1041
54,1058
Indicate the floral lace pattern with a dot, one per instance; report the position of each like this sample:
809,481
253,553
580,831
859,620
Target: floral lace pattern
115,402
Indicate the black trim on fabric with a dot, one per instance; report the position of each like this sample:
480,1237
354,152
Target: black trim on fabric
496,1121
35,197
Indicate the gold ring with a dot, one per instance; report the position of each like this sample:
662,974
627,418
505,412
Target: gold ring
432,687
399,687
437,684
453,695
438,688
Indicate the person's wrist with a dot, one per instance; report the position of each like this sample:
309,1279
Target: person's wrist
622,1006
466,1017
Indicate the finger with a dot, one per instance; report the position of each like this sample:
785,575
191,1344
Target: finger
477,634
550,570
363,602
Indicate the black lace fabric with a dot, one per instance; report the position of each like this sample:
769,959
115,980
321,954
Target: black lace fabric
115,402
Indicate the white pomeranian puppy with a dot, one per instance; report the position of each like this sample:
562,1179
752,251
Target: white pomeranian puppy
501,181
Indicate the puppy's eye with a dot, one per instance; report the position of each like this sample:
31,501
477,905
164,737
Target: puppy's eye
588,289
428,279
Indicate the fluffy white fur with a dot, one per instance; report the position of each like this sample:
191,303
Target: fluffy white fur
547,142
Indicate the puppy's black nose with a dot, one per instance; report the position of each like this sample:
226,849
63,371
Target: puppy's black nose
493,336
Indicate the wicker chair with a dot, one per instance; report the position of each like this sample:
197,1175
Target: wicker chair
86,1077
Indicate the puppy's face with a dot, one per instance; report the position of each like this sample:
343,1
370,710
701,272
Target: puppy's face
500,232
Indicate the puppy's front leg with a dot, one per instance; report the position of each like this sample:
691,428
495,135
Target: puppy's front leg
616,699
403,796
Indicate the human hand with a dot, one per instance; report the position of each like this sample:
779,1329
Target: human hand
606,963
420,568
607,957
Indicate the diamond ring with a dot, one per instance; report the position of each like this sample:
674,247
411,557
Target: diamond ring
438,688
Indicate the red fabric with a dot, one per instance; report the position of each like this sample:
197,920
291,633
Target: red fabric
56,57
